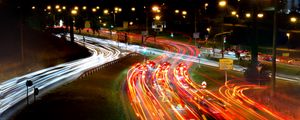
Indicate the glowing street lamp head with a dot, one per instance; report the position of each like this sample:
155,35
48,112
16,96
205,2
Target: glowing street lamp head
120,9
74,12
288,35
208,29
260,15
184,12
64,7
155,8
293,19
105,11
76,7
176,11
94,9
157,17
206,4
97,7
48,7
248,15
57,6
222,3
133,9
116,8
233,13
33,7
84,7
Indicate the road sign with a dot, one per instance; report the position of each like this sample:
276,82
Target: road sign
225,64
144,33
196,35
203,84
87,24
285,54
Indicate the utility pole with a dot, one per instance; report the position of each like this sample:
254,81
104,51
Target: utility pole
274,49
195,23
21,32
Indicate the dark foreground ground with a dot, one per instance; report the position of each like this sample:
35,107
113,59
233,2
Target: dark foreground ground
98,96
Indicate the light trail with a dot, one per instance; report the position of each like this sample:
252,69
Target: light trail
14,90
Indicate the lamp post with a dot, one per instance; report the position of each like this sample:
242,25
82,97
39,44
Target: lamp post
73,13
223,4
274,49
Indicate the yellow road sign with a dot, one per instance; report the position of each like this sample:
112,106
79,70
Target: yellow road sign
226,64
285,54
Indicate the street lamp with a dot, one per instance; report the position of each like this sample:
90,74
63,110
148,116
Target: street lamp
184,13
176,11
157,17
293,19
48,7
205,6
73,13
248,15
233,13
133,9
57,6
84,7
222,3
94,10
64,7
155,8
288,35
105,11
33,7
260,15
76,7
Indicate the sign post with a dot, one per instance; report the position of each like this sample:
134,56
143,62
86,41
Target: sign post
225,64
199,56
196,36
28,84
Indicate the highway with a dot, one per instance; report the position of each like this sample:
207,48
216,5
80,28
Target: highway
14,90
159,89
163,89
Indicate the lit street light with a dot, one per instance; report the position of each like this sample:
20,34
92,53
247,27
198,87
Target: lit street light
133,9
76,7
155,8
184,13
248,15
105,11
157,17
293,19
57,6
84,7
176,11
48,7
33,7
260,15
233,13
73,13
94,10
222,3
